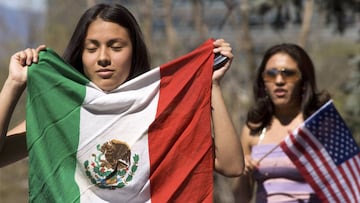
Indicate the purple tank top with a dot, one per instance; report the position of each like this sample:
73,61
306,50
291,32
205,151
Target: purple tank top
278,179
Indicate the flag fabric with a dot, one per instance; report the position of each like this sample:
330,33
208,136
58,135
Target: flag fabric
148,140
325,153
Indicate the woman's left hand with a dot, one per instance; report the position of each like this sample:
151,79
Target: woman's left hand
224,48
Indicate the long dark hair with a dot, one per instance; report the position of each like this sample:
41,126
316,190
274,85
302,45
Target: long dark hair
260,115
115,14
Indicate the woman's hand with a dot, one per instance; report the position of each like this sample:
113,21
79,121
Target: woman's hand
224,48
13,148
250,165
19,63
229,160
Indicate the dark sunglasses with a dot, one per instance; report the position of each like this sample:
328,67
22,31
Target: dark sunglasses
289,75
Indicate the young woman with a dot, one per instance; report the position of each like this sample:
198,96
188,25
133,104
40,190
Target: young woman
285,94
107,46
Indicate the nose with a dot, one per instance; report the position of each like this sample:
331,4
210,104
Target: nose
279,80
103,59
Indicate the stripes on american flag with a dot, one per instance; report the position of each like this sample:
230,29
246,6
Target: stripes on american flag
324,151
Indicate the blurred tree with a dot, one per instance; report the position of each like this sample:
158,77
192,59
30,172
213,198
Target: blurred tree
61,20
351,89
306,22
244,23
341,13
90,3
246,40
147,22
198,9
170,32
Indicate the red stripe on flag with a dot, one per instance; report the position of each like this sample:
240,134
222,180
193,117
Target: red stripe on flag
357,164
320,155
309,158
286,147
352,176
300,165
335,177
345,175
355,171
180,142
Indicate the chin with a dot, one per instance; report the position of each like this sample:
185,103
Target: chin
107,86
281,102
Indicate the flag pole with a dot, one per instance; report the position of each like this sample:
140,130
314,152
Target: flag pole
269,152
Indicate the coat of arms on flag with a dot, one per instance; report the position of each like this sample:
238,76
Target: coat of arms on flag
149,140
326,154
112,167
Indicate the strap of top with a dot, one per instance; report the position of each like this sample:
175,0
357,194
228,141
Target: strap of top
262,135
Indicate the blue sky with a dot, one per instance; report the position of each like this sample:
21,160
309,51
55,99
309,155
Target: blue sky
33,5
18,18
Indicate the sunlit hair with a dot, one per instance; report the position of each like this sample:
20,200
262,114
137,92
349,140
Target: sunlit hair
260,114
118,14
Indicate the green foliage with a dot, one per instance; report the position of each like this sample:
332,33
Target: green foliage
338,70
351,90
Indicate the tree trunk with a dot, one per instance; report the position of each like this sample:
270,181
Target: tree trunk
170,32
246,40
306,22
90,3
198,19
147,26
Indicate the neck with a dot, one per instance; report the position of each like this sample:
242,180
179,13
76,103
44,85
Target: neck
285,116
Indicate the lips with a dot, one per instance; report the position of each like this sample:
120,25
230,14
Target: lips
280,92
105,73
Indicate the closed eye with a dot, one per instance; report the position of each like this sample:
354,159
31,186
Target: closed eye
91,50
116,48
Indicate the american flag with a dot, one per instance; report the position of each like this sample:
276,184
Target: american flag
326,154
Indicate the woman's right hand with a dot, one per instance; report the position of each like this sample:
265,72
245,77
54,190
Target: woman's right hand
19,63
250,165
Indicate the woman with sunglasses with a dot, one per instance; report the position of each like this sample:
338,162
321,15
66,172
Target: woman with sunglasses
285,94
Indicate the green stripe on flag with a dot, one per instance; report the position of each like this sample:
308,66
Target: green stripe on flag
55,93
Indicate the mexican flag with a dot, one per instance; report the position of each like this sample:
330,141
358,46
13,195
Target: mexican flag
149,140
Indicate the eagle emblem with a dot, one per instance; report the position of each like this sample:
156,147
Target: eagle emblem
111,167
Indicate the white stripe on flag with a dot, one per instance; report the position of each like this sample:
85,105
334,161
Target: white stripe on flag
112,164
353,171
318,164
305,162
326,154
327,168
348,173
126,114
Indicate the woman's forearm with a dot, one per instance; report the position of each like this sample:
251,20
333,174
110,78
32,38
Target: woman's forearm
9,96
229,159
